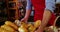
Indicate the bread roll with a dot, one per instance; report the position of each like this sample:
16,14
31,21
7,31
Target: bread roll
3,30
8,28
37,23
22,29
24,24
31,28
11,24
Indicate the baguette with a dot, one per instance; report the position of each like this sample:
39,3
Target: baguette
8,28
12,25
3,30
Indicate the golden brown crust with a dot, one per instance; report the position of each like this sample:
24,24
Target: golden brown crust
8,28
12,25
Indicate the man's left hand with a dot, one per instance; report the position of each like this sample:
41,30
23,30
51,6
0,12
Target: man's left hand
39,29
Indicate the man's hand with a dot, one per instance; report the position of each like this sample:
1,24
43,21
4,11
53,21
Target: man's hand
40,29
37,31
24,20
26,16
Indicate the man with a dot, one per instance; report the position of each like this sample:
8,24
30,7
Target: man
43,11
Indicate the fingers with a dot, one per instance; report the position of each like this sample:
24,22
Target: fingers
24,20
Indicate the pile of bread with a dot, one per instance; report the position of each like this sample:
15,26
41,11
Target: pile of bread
24,27
9,27
28,27
33,27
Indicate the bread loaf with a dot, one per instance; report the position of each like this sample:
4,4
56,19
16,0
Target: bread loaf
11,24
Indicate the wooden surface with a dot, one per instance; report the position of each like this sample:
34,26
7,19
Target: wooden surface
15,8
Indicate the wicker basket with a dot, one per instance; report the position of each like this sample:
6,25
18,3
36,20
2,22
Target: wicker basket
55,23
56,20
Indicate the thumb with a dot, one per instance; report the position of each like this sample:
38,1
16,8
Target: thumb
22,20
35,31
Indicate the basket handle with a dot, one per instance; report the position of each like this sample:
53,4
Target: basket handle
56,20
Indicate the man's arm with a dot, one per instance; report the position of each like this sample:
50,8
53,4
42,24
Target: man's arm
28,11
50,6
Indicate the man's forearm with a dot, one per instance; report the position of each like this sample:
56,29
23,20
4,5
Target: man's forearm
28,12
46,18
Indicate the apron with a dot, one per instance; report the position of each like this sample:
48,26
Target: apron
39,6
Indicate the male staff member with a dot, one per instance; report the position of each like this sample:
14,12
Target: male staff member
43,11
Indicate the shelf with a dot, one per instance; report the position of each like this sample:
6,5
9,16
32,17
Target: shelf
12,8
12,1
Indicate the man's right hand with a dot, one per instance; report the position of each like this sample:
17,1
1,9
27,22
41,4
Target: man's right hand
24,20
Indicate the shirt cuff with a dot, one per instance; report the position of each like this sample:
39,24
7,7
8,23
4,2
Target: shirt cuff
50,5
28,7
50,9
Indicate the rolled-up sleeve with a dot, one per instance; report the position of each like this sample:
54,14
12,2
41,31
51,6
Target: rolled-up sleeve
50,5
28,7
